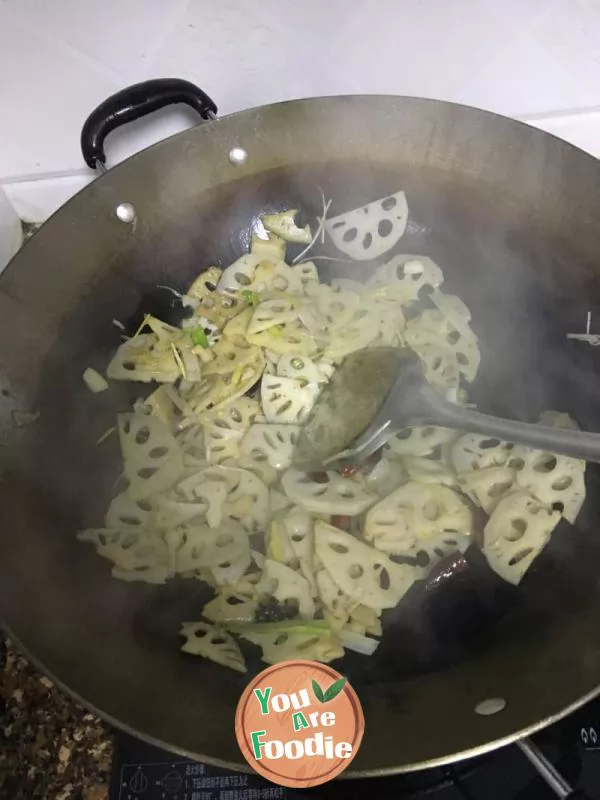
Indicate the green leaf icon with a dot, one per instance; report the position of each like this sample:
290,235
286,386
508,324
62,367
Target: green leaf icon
334,690
318,692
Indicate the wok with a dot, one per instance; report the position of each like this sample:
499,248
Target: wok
513,217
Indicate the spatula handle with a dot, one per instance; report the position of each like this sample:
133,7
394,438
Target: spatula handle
435,410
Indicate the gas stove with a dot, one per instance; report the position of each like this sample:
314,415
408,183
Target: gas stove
572,748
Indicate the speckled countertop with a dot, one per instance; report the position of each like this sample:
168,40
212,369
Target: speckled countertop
50,747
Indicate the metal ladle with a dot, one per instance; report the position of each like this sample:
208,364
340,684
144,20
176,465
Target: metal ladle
379,392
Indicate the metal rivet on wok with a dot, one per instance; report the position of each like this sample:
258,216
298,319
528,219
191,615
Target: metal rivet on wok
491,706
125,212
238,156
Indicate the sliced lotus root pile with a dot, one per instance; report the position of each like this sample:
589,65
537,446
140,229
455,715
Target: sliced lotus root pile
516,533
286,400
137,554
126,512
557,481
429,470
224,551
291,338
201,490
370,231
218,307
152,459
238,325
476,451
205,284
365,620
385,476
277,276
213,643
275,442
279,547
284,646
327,493
440,361
359,332
173,510
460,339
364,574
230,605
338,604
336,308
224,429
303,369
231,353
257,464
216,391
406,275
287,586
272,313
298,525
422,441
284,225
411,520
488,485
247,498
234,603
279,501
142,359
239,275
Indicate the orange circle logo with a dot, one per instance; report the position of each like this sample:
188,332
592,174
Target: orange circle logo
299,723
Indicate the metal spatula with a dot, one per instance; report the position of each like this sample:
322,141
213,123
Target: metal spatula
379,392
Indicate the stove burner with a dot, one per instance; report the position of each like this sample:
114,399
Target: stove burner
572,746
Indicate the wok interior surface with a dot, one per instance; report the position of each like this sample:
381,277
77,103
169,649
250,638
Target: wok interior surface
450,644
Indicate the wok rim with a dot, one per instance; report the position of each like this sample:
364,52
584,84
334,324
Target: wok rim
350,774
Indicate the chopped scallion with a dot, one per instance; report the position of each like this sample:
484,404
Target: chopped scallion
251,297
199,337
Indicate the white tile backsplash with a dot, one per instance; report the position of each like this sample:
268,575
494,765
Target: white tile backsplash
119,36
35,201
44,89
537,61
582,130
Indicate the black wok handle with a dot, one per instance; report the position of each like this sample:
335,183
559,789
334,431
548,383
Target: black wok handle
134,102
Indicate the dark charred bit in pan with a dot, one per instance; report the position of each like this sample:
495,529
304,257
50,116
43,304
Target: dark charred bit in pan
271,610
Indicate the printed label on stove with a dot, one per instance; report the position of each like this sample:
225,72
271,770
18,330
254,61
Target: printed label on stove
185,780
299,723
589,738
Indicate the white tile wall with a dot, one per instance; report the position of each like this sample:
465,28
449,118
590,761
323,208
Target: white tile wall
537,61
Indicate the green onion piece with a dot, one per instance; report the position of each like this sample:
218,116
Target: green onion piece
251,297
316,627
199,337
276,330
